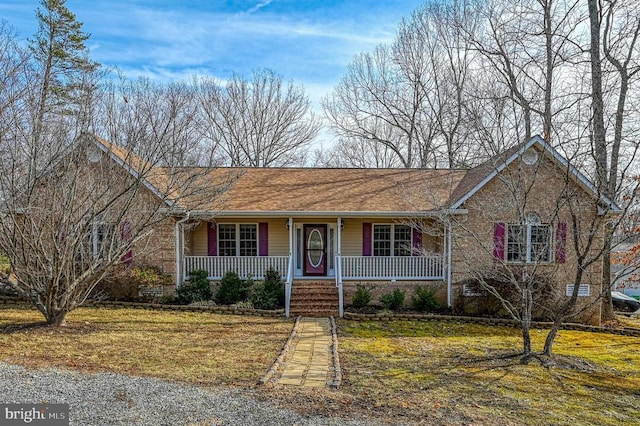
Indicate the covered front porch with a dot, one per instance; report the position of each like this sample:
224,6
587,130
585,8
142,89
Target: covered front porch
307,248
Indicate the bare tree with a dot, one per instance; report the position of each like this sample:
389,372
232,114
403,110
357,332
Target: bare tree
618,40
384,101
135,113
528,247
529,47
356,153
72,206
410,96
262,122
14,72
540,72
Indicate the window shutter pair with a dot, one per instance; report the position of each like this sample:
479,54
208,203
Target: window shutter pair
367,239
263,239
499,241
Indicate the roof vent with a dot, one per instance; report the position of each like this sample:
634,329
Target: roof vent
530,157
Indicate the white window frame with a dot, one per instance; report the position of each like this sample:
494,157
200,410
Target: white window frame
531,222
393,239
92,248
97,244
237,238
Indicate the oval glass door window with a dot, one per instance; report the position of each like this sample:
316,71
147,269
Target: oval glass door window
315,248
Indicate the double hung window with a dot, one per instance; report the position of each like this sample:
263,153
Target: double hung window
529,242
391,240
238,239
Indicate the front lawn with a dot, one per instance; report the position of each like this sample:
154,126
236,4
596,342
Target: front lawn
399,372
198,348
448,373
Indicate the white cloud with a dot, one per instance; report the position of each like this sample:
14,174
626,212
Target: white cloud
259,6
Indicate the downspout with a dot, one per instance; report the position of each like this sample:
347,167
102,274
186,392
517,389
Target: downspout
179,240
449,262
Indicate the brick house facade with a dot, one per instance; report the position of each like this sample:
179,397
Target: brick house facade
387,228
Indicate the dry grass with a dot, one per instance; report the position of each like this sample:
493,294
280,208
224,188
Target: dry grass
198,348
435,373
445,373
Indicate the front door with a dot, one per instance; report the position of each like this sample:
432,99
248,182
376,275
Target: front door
315,249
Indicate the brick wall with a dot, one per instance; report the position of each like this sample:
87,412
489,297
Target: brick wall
519,190
378,288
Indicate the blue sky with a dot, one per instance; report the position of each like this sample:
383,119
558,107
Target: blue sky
309,42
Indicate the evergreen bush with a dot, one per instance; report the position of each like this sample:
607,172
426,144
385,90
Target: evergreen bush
232,289
269,294
194,290
393,301
424,300
361,298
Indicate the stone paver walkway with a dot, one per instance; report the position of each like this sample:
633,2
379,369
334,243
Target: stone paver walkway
309,363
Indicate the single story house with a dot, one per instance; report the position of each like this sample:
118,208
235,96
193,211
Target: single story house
334,228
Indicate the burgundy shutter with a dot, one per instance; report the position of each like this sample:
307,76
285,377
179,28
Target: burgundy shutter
499,231
416,242
212,239
561,242
366,239
263,239
126,235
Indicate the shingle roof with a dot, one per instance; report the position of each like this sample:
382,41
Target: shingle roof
295,189
474,176
336,190
317,190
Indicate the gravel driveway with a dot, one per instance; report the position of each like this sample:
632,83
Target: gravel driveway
114,399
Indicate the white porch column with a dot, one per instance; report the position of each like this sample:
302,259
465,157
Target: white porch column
179,242
289,281
449,237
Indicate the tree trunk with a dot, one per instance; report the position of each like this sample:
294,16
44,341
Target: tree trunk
607,302
551,337
597,99
56,318
526,340
527,306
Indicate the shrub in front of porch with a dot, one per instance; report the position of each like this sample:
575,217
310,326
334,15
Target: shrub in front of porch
269,294
232,289
424,300
197,289
139,283
361,298
393,301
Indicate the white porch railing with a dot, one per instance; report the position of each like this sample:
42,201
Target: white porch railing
244,266
429,267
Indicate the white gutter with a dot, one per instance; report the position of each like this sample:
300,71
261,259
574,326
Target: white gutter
323,214
179,237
